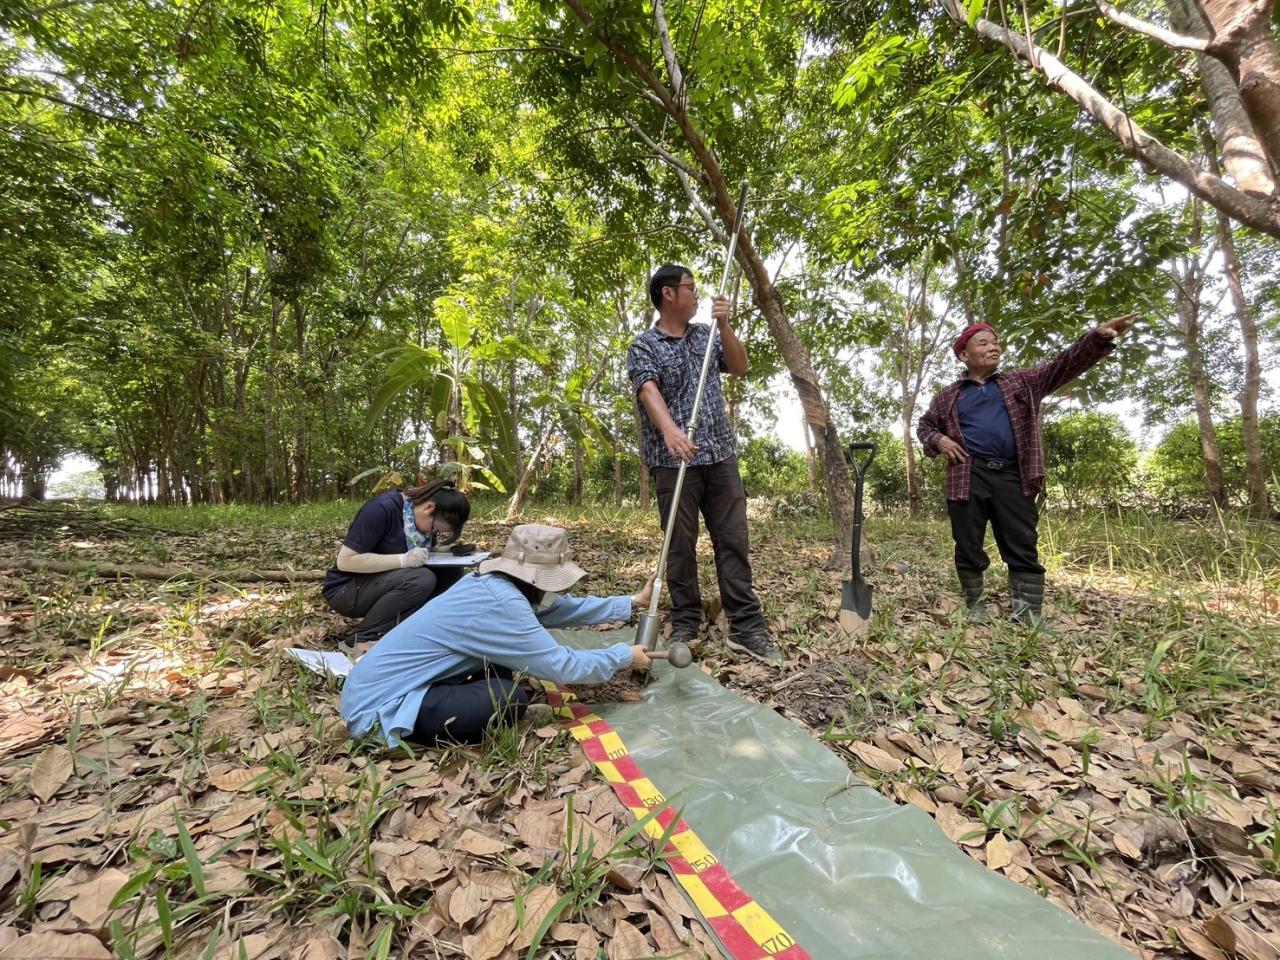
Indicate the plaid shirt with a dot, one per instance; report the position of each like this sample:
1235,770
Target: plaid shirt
674,363
1023,389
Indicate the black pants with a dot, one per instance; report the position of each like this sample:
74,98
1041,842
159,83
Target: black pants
384,599
995,496
457,711
716,492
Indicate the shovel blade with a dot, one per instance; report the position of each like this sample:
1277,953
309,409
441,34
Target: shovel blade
855,606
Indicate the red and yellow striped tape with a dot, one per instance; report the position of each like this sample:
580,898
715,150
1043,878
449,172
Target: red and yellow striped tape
744,927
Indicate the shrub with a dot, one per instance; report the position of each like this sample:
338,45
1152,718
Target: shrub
1089,458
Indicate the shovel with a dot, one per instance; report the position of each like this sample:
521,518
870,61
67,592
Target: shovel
855,599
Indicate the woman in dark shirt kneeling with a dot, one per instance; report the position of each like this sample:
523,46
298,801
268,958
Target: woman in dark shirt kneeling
381,573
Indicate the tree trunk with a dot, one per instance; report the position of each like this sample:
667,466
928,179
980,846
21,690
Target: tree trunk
810,468
644,485
1204,417
271,485
34,482
909,457
516,504
1187,289
245,488
300,489
1254,471
1243,41
577,473
1243,157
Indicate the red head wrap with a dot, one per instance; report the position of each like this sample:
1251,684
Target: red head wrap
961,340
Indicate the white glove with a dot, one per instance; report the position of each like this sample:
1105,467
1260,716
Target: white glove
414,558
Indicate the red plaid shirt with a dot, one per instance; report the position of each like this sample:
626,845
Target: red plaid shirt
1023,389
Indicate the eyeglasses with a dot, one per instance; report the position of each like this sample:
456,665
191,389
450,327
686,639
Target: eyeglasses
691,287
444,533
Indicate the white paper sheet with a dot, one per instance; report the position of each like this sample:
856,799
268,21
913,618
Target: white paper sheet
323,661
449,560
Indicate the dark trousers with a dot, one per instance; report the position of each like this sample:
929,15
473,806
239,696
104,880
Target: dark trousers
384,599
995,496
716,492
457,711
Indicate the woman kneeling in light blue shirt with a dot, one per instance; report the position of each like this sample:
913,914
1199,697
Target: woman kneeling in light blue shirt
442,674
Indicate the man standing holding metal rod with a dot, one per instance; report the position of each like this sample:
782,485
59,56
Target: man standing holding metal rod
665,364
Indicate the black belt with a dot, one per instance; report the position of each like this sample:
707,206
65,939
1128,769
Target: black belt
995,466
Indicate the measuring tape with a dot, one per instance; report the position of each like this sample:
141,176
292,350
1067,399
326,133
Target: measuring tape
745,928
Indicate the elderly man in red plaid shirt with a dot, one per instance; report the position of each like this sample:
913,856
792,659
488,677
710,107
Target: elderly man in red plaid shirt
987,425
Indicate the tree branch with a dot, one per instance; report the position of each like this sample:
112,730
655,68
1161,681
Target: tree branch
668,49
670,158
40,94
143,572
1168,37
684,173
1262,214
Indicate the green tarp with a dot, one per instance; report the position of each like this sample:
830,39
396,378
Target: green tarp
844,870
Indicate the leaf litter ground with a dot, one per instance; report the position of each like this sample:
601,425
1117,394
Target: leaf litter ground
173,785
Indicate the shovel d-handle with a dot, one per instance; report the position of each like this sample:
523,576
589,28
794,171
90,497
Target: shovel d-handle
859,446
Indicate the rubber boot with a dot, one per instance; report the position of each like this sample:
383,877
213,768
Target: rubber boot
1026,600
971,587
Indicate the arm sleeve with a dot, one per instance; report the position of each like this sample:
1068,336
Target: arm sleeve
372,523
1073,361
929,428
585,611
641,365
520,642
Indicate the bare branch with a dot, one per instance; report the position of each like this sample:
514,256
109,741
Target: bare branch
685,174
668,49
664,154
1168,37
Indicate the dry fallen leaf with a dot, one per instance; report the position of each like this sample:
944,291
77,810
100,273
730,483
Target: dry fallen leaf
479,845
959,828
1234,937
51,770
465,904
874,757
56,946
321,948
237,779
627,943
244,948
491,939
999,852
537,904
92,900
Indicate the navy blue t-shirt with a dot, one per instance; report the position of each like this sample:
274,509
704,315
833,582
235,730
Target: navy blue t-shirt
377,528
984,422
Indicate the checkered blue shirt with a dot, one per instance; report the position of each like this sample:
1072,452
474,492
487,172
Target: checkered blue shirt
674,363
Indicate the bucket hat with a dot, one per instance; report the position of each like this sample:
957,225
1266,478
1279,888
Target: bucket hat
538,555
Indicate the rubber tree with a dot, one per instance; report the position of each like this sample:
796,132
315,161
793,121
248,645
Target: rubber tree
1188,275
660,82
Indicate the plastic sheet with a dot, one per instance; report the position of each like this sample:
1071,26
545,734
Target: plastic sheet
845,871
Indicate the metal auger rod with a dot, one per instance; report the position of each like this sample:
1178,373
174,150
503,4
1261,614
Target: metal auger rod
647,629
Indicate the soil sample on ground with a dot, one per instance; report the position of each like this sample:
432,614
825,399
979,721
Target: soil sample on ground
625,687
822,692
